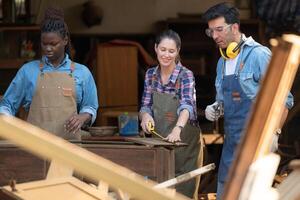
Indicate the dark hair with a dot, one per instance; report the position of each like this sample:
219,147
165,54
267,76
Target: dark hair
226,10
170,34
54,22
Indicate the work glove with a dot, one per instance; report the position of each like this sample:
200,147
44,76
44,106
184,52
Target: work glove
212,113
274,142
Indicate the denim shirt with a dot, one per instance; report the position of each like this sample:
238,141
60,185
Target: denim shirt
254,59
22,87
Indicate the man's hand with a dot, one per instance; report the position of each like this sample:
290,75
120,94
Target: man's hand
76,121
212,113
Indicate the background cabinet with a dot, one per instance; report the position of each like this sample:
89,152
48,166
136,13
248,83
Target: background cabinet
116,79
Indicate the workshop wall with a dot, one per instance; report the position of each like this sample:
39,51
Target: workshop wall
122,17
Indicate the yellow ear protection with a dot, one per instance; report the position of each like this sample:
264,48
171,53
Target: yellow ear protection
232,50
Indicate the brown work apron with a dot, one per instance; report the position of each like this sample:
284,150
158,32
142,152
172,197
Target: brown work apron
186,158
54,102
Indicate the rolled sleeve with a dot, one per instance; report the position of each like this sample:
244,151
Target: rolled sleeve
146,104
91,111
189,108
14,95
5,110
188,95
89,102
146,110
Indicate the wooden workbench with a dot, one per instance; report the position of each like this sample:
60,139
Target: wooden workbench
153,162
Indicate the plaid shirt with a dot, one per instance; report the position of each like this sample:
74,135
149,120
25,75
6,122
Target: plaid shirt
187,97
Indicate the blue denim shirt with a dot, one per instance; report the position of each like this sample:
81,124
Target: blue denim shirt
22,87
255,58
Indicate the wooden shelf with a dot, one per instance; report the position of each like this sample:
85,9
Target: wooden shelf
19,27
196,20
12,63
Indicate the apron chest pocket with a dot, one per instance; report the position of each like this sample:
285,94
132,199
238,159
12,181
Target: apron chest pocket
67,92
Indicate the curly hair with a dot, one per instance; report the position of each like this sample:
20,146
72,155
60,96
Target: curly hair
54,22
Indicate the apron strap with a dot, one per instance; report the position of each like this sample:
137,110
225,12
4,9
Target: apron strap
41,66
72,68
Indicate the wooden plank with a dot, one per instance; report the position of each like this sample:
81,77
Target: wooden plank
58,189
213,138
49,146
266,111
153,142
103,187
185,177
116,138
58,170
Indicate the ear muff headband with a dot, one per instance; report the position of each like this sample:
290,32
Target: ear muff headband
238,46
232,50
223,53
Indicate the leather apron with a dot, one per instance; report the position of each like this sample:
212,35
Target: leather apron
236,108
54,102
186,158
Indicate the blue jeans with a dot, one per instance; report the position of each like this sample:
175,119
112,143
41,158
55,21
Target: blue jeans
220,188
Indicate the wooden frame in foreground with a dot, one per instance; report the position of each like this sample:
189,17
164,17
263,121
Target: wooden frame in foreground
266,112
46,145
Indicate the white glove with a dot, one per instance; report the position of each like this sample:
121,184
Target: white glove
211,112
274,143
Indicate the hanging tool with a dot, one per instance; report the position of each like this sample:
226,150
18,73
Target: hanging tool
151,129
